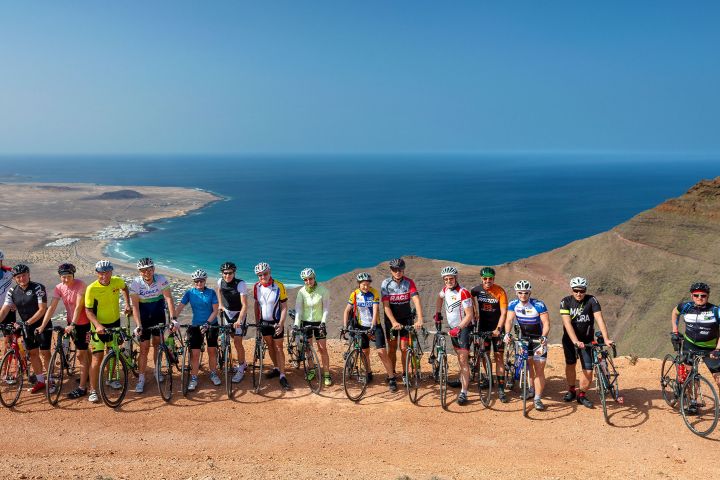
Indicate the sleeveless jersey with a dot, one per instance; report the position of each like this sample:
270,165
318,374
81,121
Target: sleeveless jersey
231,293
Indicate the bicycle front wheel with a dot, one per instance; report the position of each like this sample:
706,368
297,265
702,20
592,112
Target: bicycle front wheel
163,374
11,379
484,376
355,374
292,348
311,366
412,370
601,383
257,366
56,377
668,381
185,370
113,381
228,370
443,374
699,405
509,362
524,387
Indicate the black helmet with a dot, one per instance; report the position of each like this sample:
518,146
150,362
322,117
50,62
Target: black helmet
397,263
20,269
487,272
228,266
699,287
66,269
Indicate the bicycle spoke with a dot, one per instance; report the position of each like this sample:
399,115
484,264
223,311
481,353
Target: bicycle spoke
699,405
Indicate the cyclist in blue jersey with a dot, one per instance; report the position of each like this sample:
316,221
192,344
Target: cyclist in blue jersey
534,320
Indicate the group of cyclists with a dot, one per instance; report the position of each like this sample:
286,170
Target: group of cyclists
94,308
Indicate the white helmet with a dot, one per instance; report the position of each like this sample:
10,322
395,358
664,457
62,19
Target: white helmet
523,286
578,282
449,270
363,277
199,274
145,262
307,273
103,266
261,267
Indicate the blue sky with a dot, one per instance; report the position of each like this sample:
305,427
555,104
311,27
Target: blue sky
355,77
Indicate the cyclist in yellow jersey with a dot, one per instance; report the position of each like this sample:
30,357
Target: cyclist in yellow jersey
271,309
102,306
312,306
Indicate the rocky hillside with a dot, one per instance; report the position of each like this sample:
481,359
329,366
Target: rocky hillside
638,270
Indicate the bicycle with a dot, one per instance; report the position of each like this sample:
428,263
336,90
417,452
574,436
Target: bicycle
309,358
480,365
509,356
61,361
113,381
258,354
356,368
522,347
291,341
439,362
223,355
606,376
698,399
15,365
413,362
167,356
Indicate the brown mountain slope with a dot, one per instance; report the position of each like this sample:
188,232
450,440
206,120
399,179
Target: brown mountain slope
639,270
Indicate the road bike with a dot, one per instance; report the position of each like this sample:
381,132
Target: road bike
356,369
307,355
62,362
438,361
258,353
291,341
169,353
521,374
413,362
15,365
223,355
480,365
118,361
606,376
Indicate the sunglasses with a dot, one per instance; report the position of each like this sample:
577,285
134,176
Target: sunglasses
579,291
199,280
488,278
228,273
393,269
523,293
699,295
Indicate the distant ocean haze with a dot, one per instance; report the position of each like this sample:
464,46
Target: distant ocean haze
339,213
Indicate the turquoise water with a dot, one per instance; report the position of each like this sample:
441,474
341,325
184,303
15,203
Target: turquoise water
337,213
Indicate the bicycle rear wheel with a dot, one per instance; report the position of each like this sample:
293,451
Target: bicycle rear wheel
355,373
443,374
412,370
70,358
56,378
185,369
698,394
228,369
292,348
509,362
113,382
311,366
257,366
11,379
668,381
484,376
163,369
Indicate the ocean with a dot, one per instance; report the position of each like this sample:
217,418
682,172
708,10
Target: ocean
336,213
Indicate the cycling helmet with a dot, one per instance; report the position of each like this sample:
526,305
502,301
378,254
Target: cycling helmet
363,277
523,286
578,282
66,269
487,272
449,271
228,266
199,274
398,263
261,267
700,287
103,266
20,269
144,263
307,273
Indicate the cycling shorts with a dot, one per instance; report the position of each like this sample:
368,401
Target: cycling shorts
377,334
151,318
81,336
571,354
317,334
267,329
42,341
98,341
462,341
195,337
713,364
394,334
230,320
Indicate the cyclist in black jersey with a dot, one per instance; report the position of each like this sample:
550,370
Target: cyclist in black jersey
30,301
579,313
702,326
232,295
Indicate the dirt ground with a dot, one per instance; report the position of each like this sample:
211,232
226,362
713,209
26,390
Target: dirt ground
297,434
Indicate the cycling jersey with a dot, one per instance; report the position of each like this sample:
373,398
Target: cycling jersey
363,304
456,300
399,295
528,316
149,292
268,299
582,315
27,300
68,295
104,300
312,306
490,302
5,281
702,325
230,295
201,302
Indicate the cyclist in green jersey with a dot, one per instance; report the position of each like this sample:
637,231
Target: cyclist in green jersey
311,309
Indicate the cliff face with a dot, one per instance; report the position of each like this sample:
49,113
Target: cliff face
638,270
